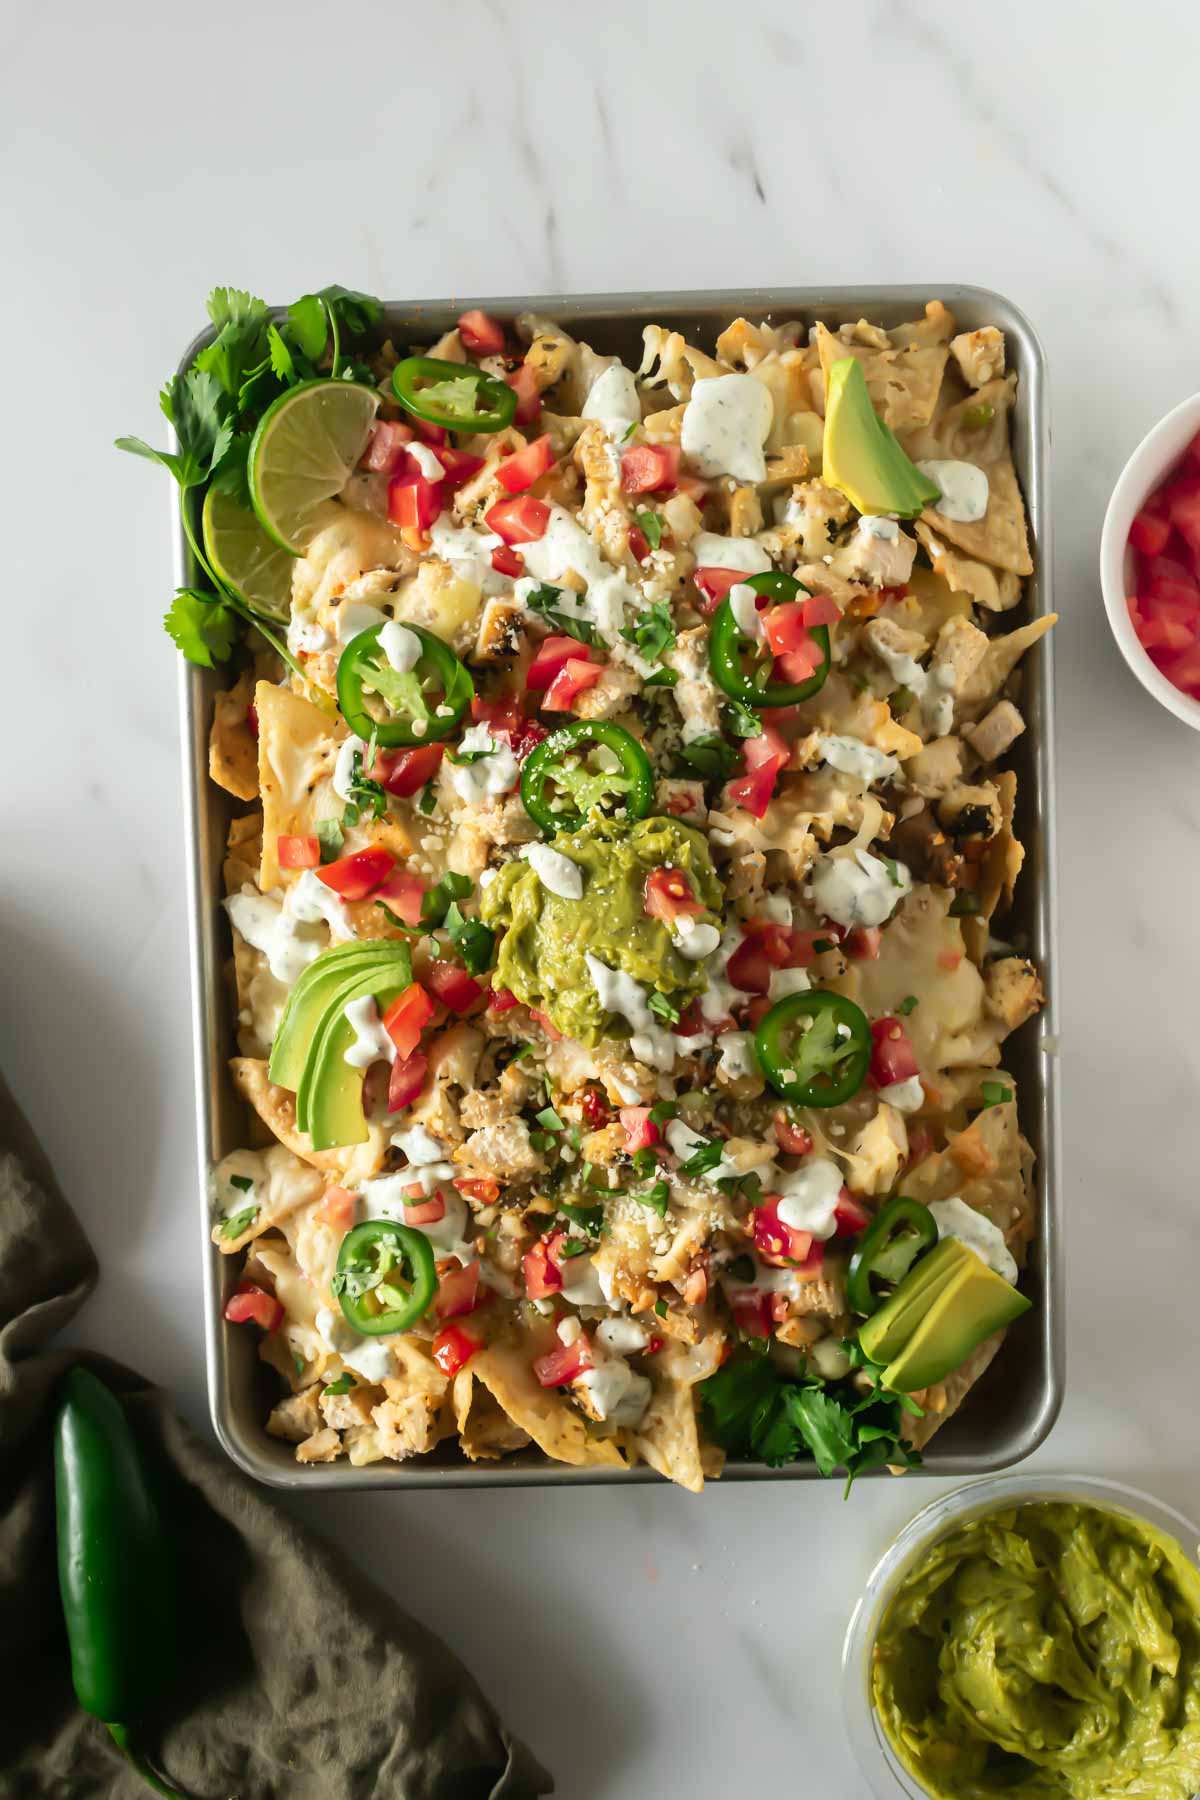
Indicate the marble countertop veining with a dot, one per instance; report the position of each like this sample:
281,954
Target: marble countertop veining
645,1642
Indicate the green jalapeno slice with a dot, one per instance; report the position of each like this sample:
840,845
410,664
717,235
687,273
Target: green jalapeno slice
728,646
415,706
899,1233
456,395
814,1048
553,778
385,1277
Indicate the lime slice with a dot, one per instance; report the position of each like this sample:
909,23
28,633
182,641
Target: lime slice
306,444
245,558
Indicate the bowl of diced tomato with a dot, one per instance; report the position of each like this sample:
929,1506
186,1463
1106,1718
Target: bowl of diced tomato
1150,562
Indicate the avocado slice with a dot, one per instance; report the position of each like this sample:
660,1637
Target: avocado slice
310,997
976,1303
332,1087
886,1332
861,457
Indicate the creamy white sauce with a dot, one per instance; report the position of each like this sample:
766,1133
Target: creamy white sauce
305,636
964,490
310,899
743,604
555,871
858,889
650,1042
355,616
495,771
694,938
581,1282
246,1165
372,1359
852,757
684,1143
274,925
954,1218
371,1042
712,551
343,770
810,1196
737,1058
725,425
720,996
468,551
875,526
788,981
906,1096
615,1392
419,1145
621,1337
426,459
613,399
385,1198
401,646
565,546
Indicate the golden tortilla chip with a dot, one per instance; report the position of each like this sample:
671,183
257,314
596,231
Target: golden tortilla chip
290,1184
276,1107
554,1426
668,1437
983,1166
1001,536
243,852
485,1430
941,1401
1005,853
232,752
903,368
996,589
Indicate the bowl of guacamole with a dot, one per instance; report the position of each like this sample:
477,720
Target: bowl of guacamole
1031,1638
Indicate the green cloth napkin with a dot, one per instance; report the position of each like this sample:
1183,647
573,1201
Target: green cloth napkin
300,1681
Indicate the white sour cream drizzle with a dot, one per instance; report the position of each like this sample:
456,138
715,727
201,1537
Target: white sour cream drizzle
694,938
725,425
954,1218
743,604
343,770
615,1391
613,399
371,1042
684,1143
426,460
355,616
650,1043
712,551
906,1096
555,871
858,889
469,552
851,756
493,772
566,546
810,1196
401,646
368,1357
964,490
936,706
385,1198
272,925
876,526
737,1059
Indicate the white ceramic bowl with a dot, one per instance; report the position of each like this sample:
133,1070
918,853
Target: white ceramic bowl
885,1777
1150,463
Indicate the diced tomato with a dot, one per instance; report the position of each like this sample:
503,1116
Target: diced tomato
639,543
572,679
754,1011
407,1017
750,968
385,453
862,943
776,1242
359,874
337,1208
524,384
751,1312
566,1362
450,983
553,654
543,1276
426,1211
405,1080
508,562
484,1188
949,960
547,1024
765,755
519,520
820,609
1183,505
298,852
437,435
458,1292
667,894
252,1305
1171,591
715,583
765,947
480,334
1183,668
648,468
595,1108
453,1349
402,893
502,1000
793,1140
405,772
641,1133
459,465
851,1216
413,501
1149,535
516,473
785,627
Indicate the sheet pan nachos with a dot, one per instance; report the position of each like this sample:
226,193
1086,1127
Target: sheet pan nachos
618,907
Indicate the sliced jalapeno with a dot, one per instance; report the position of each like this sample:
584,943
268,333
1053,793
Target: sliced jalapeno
402,708
456,395
899,1233
385,1276
814,1048
552,777
728,645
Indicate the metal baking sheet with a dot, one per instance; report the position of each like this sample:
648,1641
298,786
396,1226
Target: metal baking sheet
1014,1406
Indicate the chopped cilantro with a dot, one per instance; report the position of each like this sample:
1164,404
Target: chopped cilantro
662,1110
574,1247
331,837
994,1093
666,678
652,526
652,633
893,869
710,756
243,1183
704,1158
660,1307
655,1197
740,720
342,1385
549,1120
663,1009
473,940
547,600
435,905
241,1221
428,799
588,1218
902,700
907,1005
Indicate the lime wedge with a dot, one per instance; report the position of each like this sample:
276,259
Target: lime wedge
245,558
306,444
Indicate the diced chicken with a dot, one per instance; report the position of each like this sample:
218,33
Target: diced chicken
958,652
499,635
502,1150
979,354
609,695
547,358
683,517
443,602
695,692
323,1446
297,1417
407,1427
681,799
1014,990
484,1107
745,512
936,768
878,561
997,731
1003,655
823,1298
888,639
881,1149
347,1412
816,512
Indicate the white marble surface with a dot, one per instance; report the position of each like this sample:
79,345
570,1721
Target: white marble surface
645,1642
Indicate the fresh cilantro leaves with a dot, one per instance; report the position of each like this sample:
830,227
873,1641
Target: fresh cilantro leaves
704,1158
653,632
709,756
436,903
588,1218
367,796
342,1385
994,1093
547,601
663,1009
655,1197
652,526
238,1222
741,720
473,940
202,626
907,1005
331,837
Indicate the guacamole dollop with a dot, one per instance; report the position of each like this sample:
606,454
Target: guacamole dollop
1050,1652
546,937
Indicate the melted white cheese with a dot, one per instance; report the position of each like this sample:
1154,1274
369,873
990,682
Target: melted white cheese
555,871
622,1336
613,399
810,1196
964,490
725,425
371,1042
245,1165
858,889
954,1218
615,1392
906,1096
712,551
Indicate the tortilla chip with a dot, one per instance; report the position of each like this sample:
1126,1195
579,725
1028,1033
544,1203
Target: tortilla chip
983,1166
291,1184
996,589
554,1426
485,1430
903,368
1003,654
243,852
669,1435
1005,853
1001,536
276,1107
232,752
941,1401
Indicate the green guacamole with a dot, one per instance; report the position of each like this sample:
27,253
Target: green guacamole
541,954
1051,1652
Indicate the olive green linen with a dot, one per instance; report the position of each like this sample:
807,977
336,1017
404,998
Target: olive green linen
299,1680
